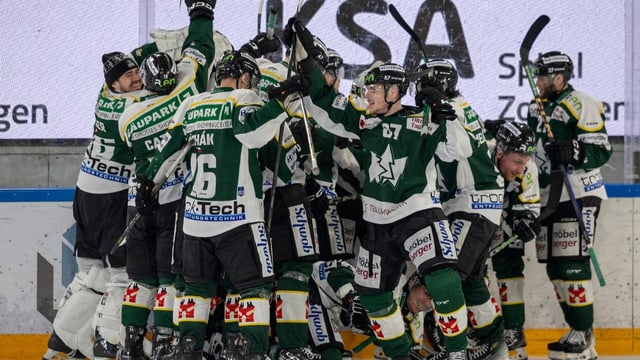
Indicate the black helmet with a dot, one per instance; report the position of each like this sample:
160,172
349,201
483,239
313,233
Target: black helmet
440,74
554,62
334,60
159,73
319,53
234,64
387,75
516,137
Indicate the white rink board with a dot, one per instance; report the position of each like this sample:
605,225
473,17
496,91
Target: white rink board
29,229
52,56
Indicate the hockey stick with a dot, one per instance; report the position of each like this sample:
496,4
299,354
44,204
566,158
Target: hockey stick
315,170
400,20
260,7
525,48
502,245
154,192
271,23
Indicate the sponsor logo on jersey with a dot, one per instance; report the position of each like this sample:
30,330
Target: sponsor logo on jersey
301,230
368,123
362,268
447,243
240,191
421,246
320,331
595,139
560,114
414,124
263,249
97,168
487,201
592,182
340,102
335,230
245,111
201,210
322,271
158,113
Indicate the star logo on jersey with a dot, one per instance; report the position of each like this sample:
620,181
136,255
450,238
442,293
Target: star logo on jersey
385,168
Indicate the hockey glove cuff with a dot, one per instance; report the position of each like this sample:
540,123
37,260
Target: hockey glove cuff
261,45
200,8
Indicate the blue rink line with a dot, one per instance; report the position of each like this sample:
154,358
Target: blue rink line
66,194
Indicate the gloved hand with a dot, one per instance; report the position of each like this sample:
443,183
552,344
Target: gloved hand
440,109
492,126
293,85
317,198
306,50
353,314
565,152
526,227
261,45
146,203
200,8
300,134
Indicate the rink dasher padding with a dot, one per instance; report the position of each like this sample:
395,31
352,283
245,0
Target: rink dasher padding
608,342
36,262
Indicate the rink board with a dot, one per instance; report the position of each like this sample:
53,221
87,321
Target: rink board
36,262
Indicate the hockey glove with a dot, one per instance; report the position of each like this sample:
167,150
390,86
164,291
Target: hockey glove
261,45
440,109
353,314
294,85
526,227
492,126
306,51
299,133
566,152
146,202
200,8
317,198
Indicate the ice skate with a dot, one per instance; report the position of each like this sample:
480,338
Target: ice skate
496,350
516,343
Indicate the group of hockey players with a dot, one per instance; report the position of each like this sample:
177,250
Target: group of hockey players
269,214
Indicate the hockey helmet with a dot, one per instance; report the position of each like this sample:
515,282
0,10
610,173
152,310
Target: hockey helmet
234,64
516,137
159,73
387,75
438,73
554,62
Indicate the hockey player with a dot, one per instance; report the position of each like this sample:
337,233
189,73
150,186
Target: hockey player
400,200
321,186
513,156
99,208
223,219
581,145
149,244
288,218
471,191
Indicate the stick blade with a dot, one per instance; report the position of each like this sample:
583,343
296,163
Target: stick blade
530,37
